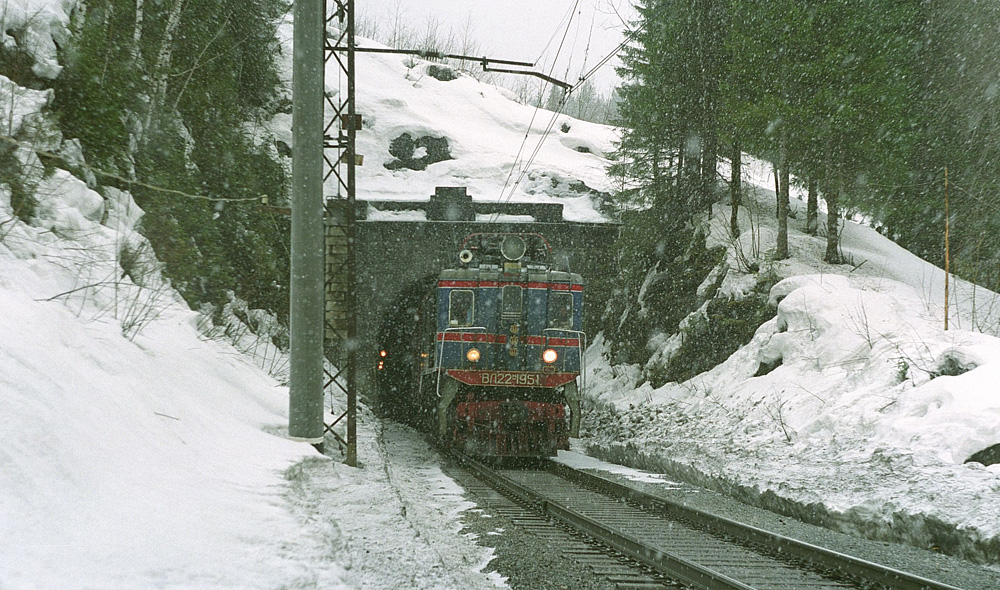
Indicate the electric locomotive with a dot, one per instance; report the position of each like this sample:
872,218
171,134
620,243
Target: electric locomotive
502,349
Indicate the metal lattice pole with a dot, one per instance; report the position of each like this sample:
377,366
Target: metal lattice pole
339,136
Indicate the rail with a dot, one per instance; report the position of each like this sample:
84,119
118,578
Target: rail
671,565
854,566
675,563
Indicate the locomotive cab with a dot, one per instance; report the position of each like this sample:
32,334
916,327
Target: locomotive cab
506,351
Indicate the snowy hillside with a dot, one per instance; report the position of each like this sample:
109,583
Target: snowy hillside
143,448
852,407
478,127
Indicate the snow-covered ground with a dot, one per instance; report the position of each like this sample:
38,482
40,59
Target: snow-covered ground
143,447
140,451
871,412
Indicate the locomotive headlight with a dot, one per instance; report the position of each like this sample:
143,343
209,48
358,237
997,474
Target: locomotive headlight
472,355
550,355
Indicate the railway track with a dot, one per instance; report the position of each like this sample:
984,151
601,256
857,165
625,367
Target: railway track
679,543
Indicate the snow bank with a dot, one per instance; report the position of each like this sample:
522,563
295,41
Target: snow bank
142,449
853,400
133,453
38,25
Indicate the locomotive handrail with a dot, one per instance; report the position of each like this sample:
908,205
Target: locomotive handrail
440,350
581,344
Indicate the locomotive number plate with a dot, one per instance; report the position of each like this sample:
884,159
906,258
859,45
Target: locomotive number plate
510,378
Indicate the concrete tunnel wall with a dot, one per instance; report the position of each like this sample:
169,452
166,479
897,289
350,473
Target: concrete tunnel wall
393,255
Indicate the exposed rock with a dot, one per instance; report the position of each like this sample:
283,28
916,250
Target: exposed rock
987,456
417,154
443,73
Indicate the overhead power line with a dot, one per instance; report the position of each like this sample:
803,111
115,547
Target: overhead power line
555,115
524,141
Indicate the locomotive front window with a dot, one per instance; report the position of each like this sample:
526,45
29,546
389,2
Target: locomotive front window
561,311
461,308
511,301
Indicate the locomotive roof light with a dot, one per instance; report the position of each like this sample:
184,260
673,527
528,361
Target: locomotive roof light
465,256
473,355
513,248
550,355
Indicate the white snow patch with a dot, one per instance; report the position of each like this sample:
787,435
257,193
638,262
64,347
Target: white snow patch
581,461
504,218
39,25
860,414
485,130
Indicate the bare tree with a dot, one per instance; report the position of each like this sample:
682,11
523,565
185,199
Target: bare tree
161,70
137,32
399,31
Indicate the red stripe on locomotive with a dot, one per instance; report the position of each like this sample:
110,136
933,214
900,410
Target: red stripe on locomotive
461,284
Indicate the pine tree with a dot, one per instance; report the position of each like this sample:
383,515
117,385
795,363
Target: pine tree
166,92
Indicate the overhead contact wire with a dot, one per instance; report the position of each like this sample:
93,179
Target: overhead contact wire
562,104
527,133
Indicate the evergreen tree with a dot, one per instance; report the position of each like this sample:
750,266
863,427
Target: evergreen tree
169,93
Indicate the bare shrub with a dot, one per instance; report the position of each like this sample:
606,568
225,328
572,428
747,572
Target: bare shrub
776,410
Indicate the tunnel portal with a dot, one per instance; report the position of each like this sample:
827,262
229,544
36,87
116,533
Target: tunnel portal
403,245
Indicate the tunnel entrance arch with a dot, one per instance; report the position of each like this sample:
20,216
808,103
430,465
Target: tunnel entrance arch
403,245
396,338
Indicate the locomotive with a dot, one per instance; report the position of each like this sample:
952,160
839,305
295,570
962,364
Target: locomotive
497,359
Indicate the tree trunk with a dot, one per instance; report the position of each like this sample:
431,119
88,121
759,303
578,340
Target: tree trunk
656,168
709,170
781,249
735,190
812,209
162,68
679,176
777,190
832,195
137,34
692,183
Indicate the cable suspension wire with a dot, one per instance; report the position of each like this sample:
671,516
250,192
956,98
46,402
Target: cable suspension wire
605,60
538,146
555,115
590,37
576,37
974,197
524,141
555,32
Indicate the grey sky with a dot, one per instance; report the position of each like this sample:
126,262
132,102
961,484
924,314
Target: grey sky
523,30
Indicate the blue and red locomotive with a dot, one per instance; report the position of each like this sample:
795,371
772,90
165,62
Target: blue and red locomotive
500,354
